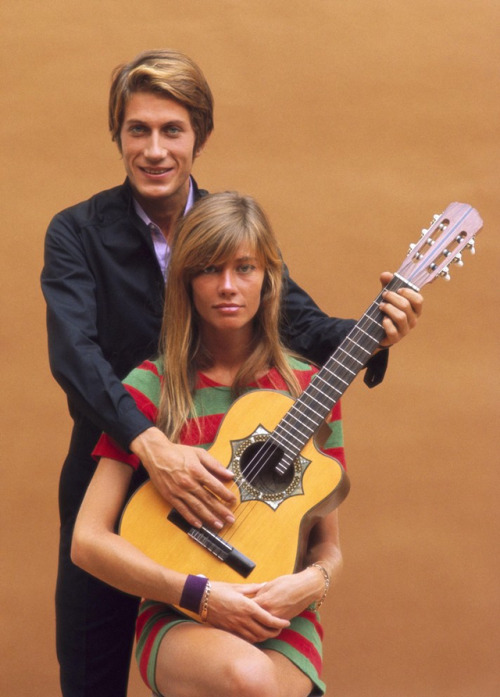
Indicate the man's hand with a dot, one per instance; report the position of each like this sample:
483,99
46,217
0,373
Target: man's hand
402,310
189,478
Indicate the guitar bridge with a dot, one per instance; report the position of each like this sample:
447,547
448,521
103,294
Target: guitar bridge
214,544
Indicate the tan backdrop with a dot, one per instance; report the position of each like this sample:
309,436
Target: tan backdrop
352,123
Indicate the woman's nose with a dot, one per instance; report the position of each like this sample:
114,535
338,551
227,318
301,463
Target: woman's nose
227,281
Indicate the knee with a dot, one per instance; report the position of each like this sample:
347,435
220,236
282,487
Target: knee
253,676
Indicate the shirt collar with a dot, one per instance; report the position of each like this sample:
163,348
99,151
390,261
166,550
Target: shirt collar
145,217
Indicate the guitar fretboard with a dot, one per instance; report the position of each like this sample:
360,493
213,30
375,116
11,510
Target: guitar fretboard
329,384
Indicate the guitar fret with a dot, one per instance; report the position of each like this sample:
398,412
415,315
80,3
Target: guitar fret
372,319
293,417
304,415
295,414
319,377
316,388
359,346
310,396
349,355
280,440
368,334
327,369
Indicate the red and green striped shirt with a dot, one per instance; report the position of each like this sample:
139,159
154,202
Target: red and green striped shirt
211,402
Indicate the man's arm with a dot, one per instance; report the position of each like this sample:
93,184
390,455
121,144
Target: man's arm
92,386
76,358
311,333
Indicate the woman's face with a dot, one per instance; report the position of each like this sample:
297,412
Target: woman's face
227,296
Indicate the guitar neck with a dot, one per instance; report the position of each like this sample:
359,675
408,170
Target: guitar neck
440,246
330,383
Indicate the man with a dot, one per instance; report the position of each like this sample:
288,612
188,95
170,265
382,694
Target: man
103,279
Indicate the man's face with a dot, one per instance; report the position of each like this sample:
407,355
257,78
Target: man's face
157,145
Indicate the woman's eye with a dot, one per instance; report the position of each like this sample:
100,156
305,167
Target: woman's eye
246,268
209,269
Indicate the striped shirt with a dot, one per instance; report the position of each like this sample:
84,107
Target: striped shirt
211,402
301,642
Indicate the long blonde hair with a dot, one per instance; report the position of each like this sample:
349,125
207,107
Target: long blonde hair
210,234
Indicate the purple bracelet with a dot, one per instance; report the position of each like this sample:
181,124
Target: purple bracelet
192,593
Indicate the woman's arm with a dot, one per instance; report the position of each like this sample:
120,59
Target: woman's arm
97,549
100,551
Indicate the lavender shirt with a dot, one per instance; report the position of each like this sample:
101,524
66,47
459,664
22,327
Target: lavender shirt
162,248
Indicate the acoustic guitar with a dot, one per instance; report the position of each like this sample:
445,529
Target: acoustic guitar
283,483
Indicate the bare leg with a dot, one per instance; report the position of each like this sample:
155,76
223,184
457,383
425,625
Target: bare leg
200,661
293,682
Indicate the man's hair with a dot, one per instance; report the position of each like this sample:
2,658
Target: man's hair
169,74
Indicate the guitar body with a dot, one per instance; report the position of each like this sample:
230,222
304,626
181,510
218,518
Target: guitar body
270,534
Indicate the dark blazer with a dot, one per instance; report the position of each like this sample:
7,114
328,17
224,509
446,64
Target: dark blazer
104,292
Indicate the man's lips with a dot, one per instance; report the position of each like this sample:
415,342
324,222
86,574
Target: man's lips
155,172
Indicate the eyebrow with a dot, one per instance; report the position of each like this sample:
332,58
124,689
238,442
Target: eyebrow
246,258
170,122
236,260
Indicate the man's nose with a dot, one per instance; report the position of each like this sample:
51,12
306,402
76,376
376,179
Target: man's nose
155,148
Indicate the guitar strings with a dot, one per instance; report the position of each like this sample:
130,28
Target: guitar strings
305,403
356,357
356,337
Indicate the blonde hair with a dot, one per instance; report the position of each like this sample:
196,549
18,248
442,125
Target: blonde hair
210,234
169,74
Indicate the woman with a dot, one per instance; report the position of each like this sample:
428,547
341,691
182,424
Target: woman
222,304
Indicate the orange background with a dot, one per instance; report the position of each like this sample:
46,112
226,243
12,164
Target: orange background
352,123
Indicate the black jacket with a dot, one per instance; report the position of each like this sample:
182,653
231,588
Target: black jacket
104,292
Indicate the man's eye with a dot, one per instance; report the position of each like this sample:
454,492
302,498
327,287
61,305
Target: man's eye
173,130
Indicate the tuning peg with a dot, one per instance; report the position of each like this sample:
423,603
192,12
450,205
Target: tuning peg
410,250
457,259
471,246
445,273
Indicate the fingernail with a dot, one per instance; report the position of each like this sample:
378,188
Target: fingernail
230,519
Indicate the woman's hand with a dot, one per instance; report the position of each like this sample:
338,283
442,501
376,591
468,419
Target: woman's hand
234,608
189,478
287,596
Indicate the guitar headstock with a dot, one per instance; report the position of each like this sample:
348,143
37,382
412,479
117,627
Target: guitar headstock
441,245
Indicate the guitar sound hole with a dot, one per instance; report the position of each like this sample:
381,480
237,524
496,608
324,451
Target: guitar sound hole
258,465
